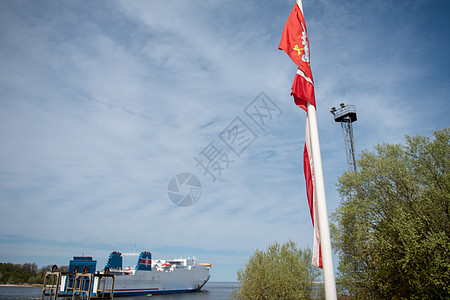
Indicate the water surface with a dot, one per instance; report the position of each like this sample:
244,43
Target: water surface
211,291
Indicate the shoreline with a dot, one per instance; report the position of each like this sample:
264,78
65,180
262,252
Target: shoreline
20,285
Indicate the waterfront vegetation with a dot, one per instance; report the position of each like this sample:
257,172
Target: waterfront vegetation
27,273
280,272
392,228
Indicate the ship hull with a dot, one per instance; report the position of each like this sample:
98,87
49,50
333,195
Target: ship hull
154,282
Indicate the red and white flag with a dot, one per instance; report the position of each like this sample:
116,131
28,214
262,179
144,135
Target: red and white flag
312,196
295,43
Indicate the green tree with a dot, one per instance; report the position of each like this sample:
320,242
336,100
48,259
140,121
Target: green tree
280,272
25,273
392,228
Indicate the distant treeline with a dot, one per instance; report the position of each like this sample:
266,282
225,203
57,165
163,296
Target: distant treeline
27,273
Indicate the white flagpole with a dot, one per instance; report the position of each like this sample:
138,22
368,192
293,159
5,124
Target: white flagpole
319,189
325,241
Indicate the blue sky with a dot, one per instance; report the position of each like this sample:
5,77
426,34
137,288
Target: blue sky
103,102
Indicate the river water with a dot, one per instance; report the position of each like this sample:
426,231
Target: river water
211,291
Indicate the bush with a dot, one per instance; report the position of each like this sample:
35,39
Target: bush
280,272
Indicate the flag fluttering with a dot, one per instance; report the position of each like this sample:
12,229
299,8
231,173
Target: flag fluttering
295,43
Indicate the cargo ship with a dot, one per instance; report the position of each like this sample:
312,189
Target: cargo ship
148,277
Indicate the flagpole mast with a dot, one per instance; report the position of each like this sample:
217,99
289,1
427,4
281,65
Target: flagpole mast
293,38
324,229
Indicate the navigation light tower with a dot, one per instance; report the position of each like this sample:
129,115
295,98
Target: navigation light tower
346,115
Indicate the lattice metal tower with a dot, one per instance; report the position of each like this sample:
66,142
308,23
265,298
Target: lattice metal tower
346,115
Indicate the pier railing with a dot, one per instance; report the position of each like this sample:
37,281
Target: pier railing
77,285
